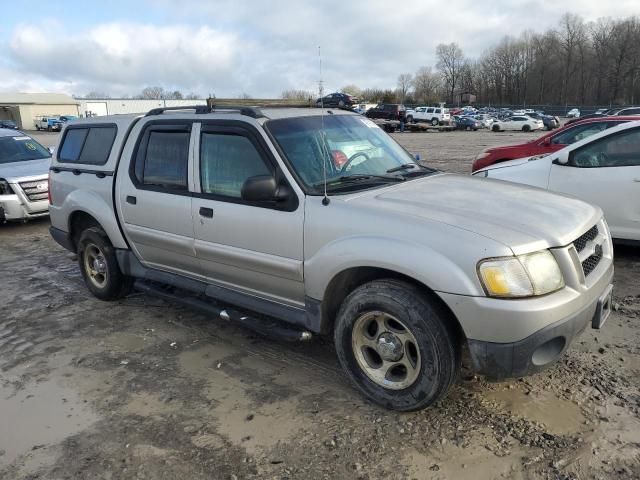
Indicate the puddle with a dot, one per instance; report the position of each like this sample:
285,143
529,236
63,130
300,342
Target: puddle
560,416
39,415
468,463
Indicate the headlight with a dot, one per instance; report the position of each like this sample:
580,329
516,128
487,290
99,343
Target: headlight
521,276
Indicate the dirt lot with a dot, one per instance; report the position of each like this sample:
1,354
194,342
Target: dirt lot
144,389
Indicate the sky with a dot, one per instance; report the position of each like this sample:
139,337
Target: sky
260,48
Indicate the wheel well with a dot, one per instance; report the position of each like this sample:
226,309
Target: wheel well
79,222
348,280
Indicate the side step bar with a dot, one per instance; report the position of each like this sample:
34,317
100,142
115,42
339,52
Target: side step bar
264,326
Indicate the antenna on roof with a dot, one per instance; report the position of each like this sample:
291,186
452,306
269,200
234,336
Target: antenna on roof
325,200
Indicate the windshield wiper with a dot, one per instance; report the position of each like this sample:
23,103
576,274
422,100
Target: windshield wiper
360,178
404,166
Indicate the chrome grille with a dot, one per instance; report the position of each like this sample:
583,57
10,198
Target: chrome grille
589,248
36,190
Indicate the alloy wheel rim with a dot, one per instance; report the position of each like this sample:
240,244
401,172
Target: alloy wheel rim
95,265
386,350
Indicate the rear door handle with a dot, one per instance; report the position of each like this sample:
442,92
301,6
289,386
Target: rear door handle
132,200
206,212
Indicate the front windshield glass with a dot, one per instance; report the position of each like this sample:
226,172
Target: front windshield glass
20,149
353,147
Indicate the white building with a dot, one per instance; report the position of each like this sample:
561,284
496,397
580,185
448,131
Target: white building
115,106
24,108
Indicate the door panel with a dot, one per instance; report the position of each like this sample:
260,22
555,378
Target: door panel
244,246
154,199
606,172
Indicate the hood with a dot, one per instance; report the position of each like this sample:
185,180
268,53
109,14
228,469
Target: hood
510,163
522,218
15,171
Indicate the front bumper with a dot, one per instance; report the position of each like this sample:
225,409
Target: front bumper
536,352
13,208
517,337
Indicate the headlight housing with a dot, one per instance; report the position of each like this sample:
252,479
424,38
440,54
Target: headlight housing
527,275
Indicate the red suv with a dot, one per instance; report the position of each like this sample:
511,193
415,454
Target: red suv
549,143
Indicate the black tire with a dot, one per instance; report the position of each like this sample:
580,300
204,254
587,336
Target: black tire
410,119
435,122
495,128
38,127
116,284
48,128
526,128
430,324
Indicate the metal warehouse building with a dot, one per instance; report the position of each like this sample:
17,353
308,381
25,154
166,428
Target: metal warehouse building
114,106
24,108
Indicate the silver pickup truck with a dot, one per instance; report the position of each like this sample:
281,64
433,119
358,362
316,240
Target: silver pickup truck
297,222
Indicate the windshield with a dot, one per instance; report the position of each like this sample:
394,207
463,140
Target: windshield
21,148
354,149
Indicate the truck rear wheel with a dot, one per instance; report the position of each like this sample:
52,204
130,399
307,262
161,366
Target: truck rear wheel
397,345
99,266
435,122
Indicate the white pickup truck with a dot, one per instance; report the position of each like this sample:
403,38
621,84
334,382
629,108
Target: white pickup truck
433,115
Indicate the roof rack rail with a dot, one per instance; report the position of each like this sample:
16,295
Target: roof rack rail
248,110
160,110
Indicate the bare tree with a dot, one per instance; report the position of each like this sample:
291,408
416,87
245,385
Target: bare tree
405,82
192,96
154,93
95,94
425,85
450,62
302,95
352,90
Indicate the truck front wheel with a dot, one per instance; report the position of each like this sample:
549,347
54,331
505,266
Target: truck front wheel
397,345
99,266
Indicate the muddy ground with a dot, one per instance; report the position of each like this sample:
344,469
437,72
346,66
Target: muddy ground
144,389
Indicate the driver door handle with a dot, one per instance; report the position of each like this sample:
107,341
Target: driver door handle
206,212
636,180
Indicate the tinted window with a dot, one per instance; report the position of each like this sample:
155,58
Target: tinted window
437,110
429,110
226,162
72,145
90,146
165,162
97,146
619,150
579,132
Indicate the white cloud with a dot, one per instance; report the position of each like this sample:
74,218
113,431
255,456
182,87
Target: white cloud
228,47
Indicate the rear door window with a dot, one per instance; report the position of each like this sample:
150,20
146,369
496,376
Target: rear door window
88,145
162,162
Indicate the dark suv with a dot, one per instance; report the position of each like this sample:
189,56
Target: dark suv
387,111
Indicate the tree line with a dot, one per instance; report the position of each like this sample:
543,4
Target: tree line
575,63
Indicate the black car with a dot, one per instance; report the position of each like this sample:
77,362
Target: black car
387,111
550,122
341,100
8,124
467,123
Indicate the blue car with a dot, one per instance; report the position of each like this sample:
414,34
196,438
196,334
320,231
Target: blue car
467,123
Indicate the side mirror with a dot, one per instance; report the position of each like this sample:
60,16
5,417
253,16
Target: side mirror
562,157
51,150
547,141
260,188
264,188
